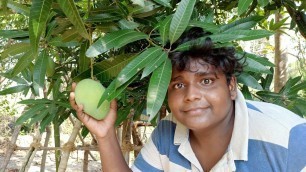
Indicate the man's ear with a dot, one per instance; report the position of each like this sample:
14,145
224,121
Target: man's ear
233,87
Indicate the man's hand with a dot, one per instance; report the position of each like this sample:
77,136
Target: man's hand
100,128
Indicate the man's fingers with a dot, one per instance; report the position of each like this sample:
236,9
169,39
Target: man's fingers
72,101
73,85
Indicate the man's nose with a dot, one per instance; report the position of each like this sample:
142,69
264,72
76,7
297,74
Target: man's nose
192,93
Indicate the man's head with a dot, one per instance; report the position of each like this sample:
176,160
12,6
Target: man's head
203,85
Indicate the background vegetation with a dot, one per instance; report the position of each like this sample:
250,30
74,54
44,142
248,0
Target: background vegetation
45,45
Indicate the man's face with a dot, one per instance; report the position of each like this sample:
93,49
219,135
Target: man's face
200,98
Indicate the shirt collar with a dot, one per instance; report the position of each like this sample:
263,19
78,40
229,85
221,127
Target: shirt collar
240,136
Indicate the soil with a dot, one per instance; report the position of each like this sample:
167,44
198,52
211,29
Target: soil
75,163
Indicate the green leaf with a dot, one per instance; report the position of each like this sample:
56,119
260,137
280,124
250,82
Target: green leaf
35,101
164,29
242,24
221,38
211,27
39,13
266,95
165,3
154,64
125,24
180,19
13,34
278,25
18,7
40,67
296,88
111,92
14,89
15,49
158,87
115,39
137,64
262,60
16,79
263,3
39,116
71,11
24,62
243,5
256,67
289,84
30,113
247,35
249,80
108,69
83,61
46,121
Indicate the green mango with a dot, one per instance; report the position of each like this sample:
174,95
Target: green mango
88,93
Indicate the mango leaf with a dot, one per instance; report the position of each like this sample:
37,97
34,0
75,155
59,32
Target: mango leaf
154,64
40,69
263,3
221,38
256,67
158,86
249,80
46,121
14,89
13,34
164,29
247,35
111,92
180,19
30,113
242,24
24,62
115,39
137,64
165,3
278,25
267,81
16,79
15,49
266,95
243,5
289,84
107,69
83,61
71,11
296,88
262,60
35,101
18,7
246,92
211,27
39,116
125,24
39,13
59,42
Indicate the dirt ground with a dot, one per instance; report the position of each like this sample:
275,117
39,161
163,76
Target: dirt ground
75,163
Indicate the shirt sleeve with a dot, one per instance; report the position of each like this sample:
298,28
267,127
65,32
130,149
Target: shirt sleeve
148,159
297,149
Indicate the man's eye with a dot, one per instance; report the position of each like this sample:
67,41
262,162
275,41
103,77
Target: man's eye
178,85
206,81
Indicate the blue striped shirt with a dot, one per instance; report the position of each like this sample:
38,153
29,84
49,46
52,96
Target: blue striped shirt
265,138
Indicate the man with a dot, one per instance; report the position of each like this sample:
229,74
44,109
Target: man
211,127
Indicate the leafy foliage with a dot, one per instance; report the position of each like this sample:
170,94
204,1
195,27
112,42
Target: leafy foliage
123,45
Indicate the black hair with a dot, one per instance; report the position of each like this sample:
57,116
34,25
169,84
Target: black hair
221,57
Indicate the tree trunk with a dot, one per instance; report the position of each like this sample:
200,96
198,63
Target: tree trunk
280,73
